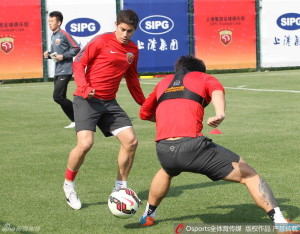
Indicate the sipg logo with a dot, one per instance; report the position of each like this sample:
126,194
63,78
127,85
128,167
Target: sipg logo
82,27
289,21
156,24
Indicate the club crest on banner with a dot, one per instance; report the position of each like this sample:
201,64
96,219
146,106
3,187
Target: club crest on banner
225,36
129,57
6,44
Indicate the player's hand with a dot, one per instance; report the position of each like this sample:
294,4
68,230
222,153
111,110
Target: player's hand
46,54
91,94
215,121
59,57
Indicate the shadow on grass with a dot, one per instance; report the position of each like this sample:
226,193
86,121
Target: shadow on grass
243,213
248,213
85,205
178,190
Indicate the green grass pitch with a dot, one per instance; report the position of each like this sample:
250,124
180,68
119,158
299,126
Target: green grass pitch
261,125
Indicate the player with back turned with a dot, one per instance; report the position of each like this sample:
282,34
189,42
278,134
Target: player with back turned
180,144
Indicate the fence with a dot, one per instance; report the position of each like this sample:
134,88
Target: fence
226,34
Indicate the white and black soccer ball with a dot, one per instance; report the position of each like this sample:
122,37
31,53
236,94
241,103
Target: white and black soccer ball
123,203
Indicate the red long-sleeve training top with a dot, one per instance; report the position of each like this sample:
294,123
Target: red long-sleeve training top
102,64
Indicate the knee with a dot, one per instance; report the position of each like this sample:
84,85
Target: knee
242,173
85,145
248,174
131,144
58,99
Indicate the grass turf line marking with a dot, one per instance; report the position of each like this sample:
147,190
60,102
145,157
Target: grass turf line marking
147,83
247,89
264,90
30,86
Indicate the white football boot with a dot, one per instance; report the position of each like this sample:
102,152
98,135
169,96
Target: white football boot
71,197
71,125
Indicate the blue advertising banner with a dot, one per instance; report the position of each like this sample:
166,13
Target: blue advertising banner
163,33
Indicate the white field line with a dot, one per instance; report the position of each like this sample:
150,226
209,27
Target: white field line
154,83
264,90
253,74
247,89
23,87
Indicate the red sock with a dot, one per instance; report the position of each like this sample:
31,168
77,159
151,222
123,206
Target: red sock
70,175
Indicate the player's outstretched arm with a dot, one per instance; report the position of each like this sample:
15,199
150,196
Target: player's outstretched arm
148,109
218,100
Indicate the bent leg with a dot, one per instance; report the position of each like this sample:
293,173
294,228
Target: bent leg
159,187
85,140
257,186
84,143
60,95
128,147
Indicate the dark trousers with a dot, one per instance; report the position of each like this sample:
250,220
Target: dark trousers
60,95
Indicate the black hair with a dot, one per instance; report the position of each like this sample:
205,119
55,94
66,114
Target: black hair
128,17
189,63
58,15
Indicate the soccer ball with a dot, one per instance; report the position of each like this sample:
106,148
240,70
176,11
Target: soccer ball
123,203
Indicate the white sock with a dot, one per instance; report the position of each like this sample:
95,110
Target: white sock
146,212
120,184
70,183
278,216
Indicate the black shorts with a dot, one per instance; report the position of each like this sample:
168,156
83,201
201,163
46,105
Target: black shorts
197,155
107,115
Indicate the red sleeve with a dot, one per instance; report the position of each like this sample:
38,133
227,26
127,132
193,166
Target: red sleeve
211,85
74,47
133,83
148,109
84,57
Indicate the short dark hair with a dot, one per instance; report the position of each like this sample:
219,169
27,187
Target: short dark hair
189,63
128,17
58,15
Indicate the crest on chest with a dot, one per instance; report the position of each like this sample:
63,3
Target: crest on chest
129,57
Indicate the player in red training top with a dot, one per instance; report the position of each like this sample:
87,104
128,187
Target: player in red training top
98,70
181,147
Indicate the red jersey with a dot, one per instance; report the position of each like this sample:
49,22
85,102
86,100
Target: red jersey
180,117
102,64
